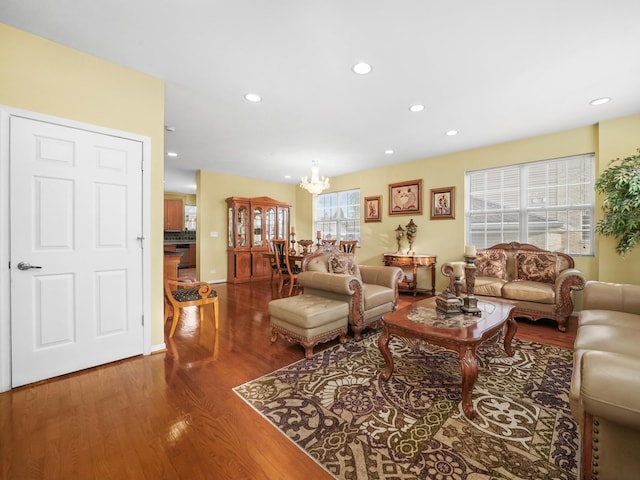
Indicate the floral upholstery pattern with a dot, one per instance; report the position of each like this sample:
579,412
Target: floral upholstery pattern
536,266
190,294
344,264
492,263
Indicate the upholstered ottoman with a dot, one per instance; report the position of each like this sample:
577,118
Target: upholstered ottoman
308,320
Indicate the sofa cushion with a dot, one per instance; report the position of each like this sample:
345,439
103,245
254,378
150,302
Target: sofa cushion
489,286
376,295
529,291
607,338
611,318
343,264
491,263
317,264
536,266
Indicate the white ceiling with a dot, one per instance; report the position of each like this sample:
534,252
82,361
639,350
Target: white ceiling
495,70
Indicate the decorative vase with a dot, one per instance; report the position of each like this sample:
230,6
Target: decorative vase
412,230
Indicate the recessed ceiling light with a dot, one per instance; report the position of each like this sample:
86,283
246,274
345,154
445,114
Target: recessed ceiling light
600,101
362,68
416,108
451,133
253,97
388,152
172,154
287,177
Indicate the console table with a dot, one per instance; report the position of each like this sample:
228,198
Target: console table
413,261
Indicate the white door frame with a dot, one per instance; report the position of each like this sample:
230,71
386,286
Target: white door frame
5,288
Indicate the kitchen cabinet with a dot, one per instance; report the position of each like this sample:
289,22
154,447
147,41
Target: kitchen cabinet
252,224
173,214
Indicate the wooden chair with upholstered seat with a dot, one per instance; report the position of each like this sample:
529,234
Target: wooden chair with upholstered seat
287,272
329,242
181,292
348,246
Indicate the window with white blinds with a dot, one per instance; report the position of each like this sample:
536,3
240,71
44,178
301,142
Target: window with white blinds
549,204
337,215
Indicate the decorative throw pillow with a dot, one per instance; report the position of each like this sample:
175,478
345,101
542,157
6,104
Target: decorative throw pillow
536,266
343,263
492,263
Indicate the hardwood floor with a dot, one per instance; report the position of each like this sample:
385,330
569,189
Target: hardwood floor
173,415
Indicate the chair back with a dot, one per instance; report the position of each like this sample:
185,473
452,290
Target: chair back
348,246
281,250
328,242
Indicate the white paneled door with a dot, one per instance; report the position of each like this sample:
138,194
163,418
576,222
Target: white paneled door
76,254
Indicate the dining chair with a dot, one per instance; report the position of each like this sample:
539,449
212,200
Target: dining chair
348,246
273,261
329,242
181,293
287,272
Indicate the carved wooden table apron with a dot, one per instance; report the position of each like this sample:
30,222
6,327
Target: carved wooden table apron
413,261
460,333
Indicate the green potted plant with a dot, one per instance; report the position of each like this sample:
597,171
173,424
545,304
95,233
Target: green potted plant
620,184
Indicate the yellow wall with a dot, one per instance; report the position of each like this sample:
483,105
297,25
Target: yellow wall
187,199
42,76
618,138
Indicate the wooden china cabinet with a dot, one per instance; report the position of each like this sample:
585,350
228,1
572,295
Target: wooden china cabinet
252,223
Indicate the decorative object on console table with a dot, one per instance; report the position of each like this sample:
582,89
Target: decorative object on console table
414,262
405,198
399,235
412,231
470,303
372,209
443,203
318,238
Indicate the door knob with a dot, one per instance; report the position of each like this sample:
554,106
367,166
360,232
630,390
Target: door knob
27,266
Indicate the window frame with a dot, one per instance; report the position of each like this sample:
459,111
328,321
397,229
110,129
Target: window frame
575,237
347,225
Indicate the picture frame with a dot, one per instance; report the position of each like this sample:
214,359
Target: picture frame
443,205
405,198
372,209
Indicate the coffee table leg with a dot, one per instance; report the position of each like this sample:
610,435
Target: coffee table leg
383,345
512,326
469,365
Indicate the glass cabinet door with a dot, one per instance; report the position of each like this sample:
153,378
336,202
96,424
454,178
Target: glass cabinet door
257,227
270,227
283,223
230,230
241,226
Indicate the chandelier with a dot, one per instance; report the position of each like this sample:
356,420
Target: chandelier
316,185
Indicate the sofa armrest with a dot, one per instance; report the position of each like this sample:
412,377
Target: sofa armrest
385,276
567,281
611,296
609,387
330,282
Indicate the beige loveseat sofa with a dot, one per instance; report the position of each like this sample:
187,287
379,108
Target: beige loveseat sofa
538,282
371,291
605,387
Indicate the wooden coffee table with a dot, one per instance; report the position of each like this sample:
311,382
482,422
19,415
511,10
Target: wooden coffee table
461,333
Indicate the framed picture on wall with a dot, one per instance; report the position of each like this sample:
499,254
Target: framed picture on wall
443,203
372,209
405,198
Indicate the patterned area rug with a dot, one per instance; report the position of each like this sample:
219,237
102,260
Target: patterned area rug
357,426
